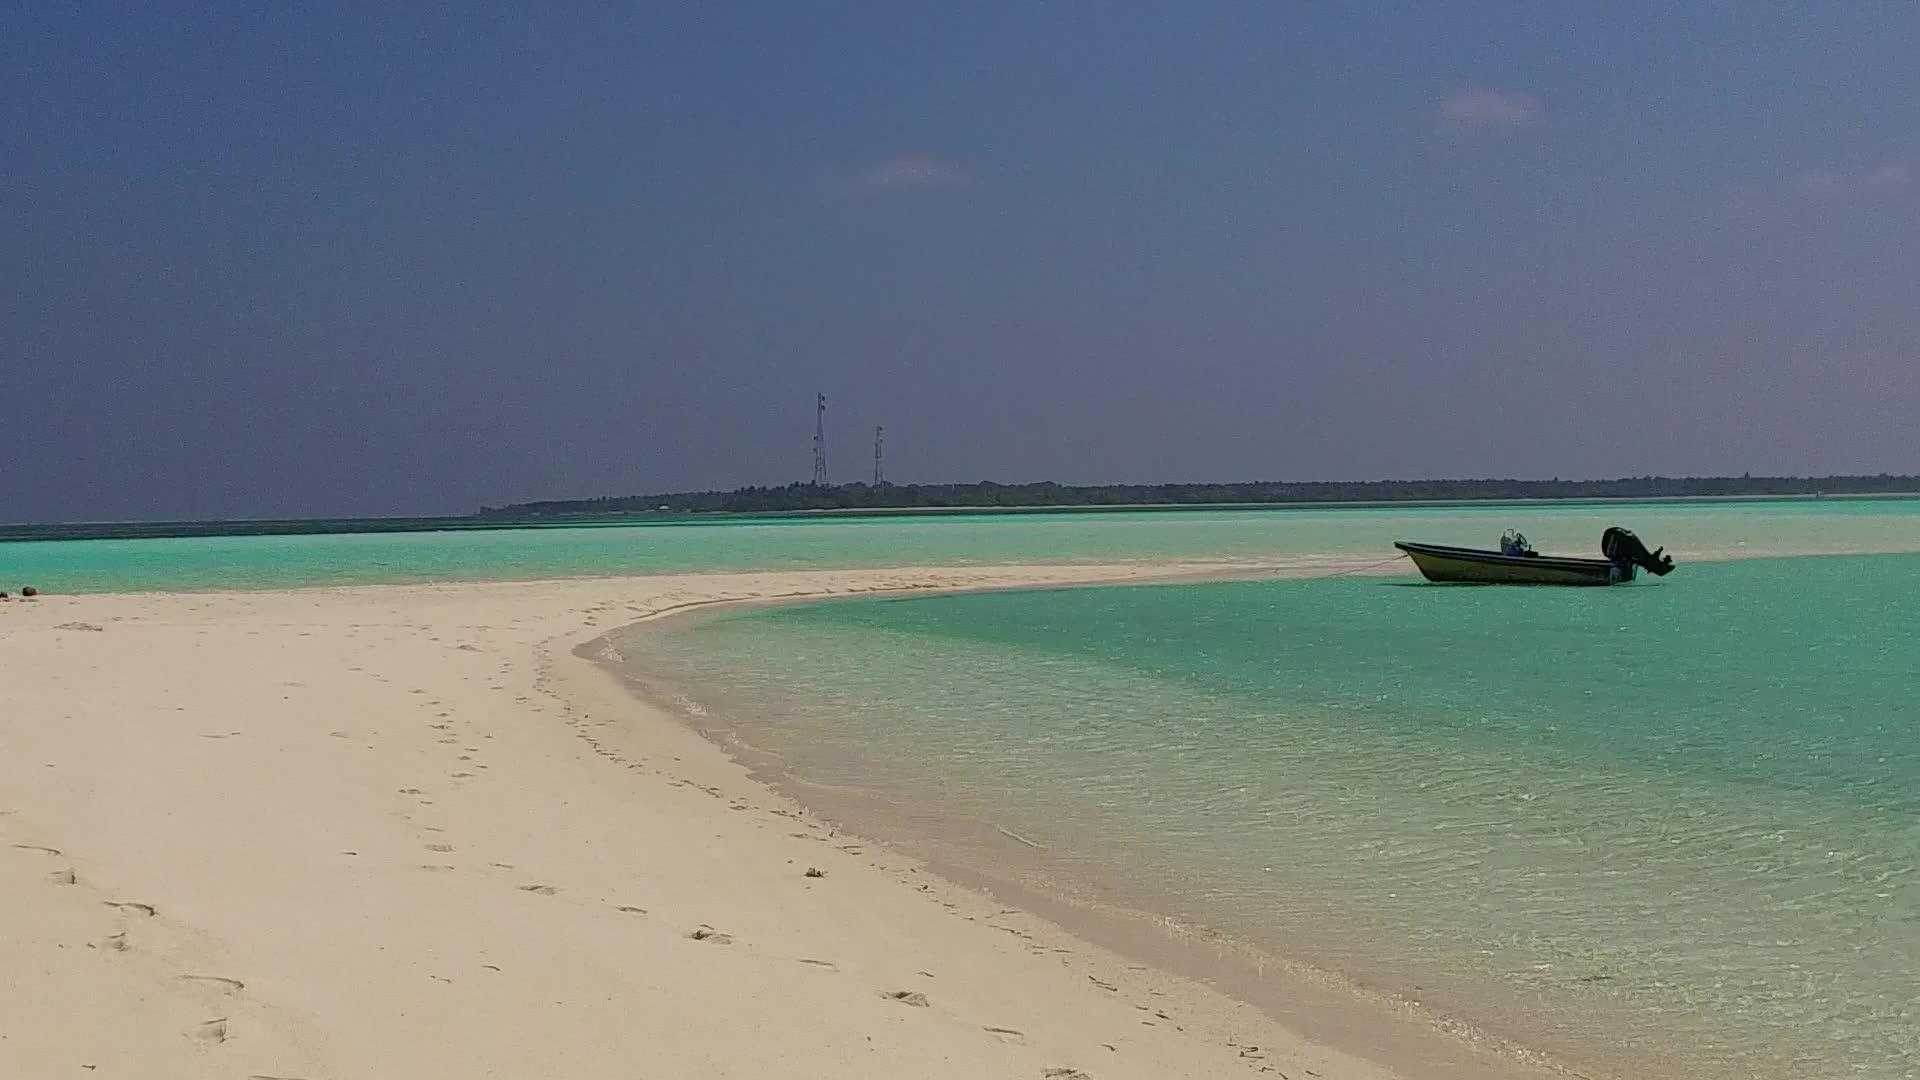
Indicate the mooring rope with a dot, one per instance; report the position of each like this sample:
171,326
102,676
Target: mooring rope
1352,569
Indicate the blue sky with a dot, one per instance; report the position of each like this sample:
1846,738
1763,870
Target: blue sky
366,260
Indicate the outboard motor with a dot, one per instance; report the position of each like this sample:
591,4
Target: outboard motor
1625,551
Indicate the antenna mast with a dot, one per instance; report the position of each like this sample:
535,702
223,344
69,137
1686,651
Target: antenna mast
820,441
877,474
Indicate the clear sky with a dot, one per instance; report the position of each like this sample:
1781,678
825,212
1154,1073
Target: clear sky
387,258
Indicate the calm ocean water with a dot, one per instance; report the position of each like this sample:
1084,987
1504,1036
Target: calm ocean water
252,562
1676,823
1669,826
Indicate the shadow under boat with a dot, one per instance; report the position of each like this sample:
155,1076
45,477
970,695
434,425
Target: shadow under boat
1516,563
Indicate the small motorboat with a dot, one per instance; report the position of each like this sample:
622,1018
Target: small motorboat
1516,563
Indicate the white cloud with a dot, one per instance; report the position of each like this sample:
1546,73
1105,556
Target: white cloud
1891,175
1821,183
1491,109
901,174
1833,184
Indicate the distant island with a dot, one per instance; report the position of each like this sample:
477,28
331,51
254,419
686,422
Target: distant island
986,495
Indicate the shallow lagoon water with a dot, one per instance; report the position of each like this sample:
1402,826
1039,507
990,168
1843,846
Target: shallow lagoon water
1677,822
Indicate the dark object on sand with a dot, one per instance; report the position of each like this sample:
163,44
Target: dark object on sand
1516,563
1624,550
29,591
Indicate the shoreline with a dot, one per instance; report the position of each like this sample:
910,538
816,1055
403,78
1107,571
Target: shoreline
1401,1040
691,517
1314,1003
339,832
307,813
1292,566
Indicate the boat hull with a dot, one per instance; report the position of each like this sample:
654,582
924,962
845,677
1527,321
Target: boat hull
1470,566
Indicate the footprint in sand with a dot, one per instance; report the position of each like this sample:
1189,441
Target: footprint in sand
63,877
214,1030
1005,1034
711,936
539,890
631,910
1065,1074
127,906
232,986
906,997
117,942
827,964
41,848
440,847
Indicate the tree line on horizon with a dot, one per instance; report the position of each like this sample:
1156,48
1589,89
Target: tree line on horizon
989,495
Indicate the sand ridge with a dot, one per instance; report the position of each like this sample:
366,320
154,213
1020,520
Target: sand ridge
403,831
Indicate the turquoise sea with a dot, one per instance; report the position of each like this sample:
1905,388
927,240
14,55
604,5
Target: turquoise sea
1667,829
213,562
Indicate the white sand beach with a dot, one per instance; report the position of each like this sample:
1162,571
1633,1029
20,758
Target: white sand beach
403,831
